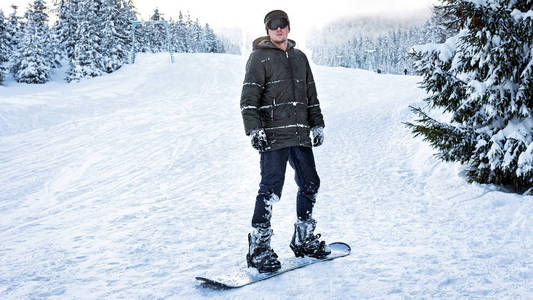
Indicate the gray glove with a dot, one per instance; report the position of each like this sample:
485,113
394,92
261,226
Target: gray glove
318,136
259,139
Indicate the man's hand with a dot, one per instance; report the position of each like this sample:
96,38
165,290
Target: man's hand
259,139
318,136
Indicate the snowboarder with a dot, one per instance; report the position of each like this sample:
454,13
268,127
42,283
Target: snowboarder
280,109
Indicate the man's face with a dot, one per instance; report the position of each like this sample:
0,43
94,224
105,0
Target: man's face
278,35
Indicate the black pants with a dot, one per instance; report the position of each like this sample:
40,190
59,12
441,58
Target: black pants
273,166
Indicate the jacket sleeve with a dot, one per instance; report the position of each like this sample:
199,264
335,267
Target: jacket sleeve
252,91
314,114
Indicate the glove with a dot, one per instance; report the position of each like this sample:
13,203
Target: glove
259,139
318,136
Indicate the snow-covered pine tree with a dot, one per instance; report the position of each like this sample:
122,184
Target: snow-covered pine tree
197,33
482,78
4,48
32,63
107,14
189,37
86,60
178,32
157,35
65,27
142,38
440,26
60,33
56,52
14,32
13,27
50,50
123,23
211,42
232,48
127,13
113,38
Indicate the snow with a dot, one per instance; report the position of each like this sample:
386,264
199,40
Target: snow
516,130
446,50
518,15
525,161
131,184
493,4
519,129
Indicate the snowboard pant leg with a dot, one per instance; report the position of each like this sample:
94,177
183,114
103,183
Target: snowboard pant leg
273,166
302,161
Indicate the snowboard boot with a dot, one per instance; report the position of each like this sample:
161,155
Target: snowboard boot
260,255
306,243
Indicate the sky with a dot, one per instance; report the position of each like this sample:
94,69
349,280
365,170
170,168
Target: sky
245,17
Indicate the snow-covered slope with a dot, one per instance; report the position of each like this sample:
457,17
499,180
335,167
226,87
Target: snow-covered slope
131,184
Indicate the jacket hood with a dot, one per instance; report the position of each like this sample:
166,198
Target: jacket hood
265,43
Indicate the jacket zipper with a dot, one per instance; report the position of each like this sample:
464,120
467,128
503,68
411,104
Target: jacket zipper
293,88
292,77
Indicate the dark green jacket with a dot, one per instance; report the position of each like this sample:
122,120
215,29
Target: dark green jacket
279,95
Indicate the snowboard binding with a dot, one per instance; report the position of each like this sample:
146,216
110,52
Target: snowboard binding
260,255
305,243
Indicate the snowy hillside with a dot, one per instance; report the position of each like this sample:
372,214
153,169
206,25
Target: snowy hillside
131,184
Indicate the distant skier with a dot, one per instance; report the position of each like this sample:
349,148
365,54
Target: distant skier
280,108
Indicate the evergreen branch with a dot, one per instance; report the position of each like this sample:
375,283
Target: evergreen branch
452,144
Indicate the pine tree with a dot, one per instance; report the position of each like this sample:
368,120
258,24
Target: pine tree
14,31
198,37
57,51
123,27
211,42
4,48
482,78
13,24
86,60
189,37
32,63
142,38
441,26
114,37
64,31
107,14
232,47
179,33
70,22
157,36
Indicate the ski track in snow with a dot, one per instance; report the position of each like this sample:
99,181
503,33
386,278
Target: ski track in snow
131,184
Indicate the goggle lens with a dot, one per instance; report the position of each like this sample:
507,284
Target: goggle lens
275,23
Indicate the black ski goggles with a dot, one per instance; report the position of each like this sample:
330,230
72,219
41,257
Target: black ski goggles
275,23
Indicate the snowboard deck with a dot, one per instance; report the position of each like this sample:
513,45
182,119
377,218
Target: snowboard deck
247,276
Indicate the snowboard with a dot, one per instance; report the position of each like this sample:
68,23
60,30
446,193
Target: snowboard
246,276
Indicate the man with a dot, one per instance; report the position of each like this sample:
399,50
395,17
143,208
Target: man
280,108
